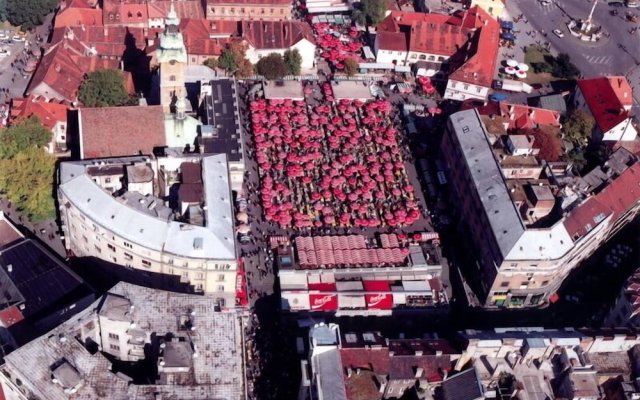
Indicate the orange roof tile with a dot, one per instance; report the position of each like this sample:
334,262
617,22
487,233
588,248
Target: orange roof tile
607,98
526,117
127,12
275,34
198,35
107,41
121,131
49,113
184,9
75,16
219,3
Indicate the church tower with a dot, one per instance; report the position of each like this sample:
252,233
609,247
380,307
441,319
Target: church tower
172,58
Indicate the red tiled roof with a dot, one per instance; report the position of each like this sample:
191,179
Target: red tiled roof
479,68
607,98
623,192
275,34
107,41
120,131
222,3
63,70
526,117
395,41
49,113
197,33
442,39
184,9
75,16
75,4
585,217
118,12
376,360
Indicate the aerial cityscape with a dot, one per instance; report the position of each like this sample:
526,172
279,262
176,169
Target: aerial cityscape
319,199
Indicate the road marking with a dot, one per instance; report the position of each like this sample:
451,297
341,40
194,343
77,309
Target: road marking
597,59
546,9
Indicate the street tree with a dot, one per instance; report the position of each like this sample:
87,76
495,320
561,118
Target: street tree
27,181
578,128
369,12
211,63
562,67
29,13
271,67
293,61
350,66
104,88
26,133
233,59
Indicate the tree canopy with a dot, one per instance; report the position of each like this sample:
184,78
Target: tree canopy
27,133
211,63
370,12
29,13
293,61
578,128
350,66
104,88
272,66
562,67
26,169
233,60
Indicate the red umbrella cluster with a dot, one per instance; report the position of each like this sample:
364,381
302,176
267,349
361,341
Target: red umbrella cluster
336,49
333,164
425,83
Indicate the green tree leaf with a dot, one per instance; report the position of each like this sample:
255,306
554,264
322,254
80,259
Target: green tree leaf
104,88
25,134
29,13
293,61
272,66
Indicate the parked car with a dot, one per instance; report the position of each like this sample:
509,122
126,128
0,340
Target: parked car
558,33
545,2
4,53
616,4
632,3
3,35
18,38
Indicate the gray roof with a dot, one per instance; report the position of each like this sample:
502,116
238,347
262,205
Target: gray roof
155,233
330,377
465,385
487,177
553,102
217,371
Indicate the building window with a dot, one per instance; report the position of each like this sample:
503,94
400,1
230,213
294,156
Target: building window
545,283
272,11
221,278
193,59
128,245
199,287
172,78
146,263
111,247
98,249
220,288
504,284
85,239
107,180
114,347
114,336
242,10
232,11
199,275
128,257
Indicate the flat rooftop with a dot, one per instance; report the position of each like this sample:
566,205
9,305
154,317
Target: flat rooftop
281,90
8,233
352,90
217,371
221,132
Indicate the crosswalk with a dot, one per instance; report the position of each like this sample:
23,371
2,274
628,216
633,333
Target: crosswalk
546,8
591,59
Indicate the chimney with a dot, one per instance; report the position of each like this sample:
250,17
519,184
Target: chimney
106,31
418,352
57,67
285,28
438,353
532,113
264,28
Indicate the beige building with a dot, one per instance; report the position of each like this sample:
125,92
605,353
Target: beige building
191,351
524,249
266,10
495,8
189,239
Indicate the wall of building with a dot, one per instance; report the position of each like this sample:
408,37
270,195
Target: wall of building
88,239
234,11
495,8
461,91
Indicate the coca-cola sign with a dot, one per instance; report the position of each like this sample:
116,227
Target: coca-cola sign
323,301
379,301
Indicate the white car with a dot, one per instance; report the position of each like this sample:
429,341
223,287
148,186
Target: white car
4,53
545,2
18,38
558,33
3,35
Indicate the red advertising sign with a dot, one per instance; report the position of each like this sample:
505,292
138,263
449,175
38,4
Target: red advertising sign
382,301
323,301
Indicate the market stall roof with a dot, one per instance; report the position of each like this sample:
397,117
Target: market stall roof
283,90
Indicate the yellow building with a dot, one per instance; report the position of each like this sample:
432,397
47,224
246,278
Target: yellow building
236,10
495,8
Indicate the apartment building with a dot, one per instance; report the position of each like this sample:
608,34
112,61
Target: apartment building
113,210
189,351
528,234
265,10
